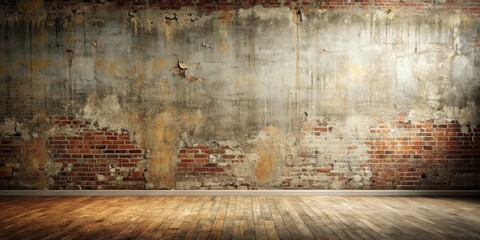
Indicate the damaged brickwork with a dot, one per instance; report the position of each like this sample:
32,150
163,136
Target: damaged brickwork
92,158
219,167
428,154
329,158
75,155
22,163
311,94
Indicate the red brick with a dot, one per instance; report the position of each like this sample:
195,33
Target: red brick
6,172
200,169
200,147
352,147
324,170
126,146
217,169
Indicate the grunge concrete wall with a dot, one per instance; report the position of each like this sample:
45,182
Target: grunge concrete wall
240,94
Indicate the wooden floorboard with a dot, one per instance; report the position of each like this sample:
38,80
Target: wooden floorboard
240,217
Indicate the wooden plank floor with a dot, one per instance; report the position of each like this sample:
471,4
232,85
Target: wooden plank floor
239,217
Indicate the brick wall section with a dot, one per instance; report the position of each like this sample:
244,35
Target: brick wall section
328,159
16,157
424,155
196,160
469,6
212,167
19,108
9,158
95,158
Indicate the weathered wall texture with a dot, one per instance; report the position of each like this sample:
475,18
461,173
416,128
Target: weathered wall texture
240,95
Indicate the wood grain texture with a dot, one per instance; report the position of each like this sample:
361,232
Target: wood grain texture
239,217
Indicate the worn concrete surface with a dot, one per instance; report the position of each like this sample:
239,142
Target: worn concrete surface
249,80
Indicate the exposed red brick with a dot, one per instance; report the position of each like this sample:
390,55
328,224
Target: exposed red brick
414,153
89,150
6,171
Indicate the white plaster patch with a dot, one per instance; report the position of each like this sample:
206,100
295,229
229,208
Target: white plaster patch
107,111
336,184
406,83
100,177
264,13
9,126
462,68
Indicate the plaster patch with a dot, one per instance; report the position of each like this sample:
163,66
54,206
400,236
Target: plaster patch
358,125
264,13
170,21
52,168
9,127
100,177
106,111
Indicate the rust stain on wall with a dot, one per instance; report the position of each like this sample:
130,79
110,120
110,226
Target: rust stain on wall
100,63
223,46
79,18
30,6
164,86
140,72
159,64
163,140
109,66
160,169
36,64
271,149
264,169
9,68
244,82
226,16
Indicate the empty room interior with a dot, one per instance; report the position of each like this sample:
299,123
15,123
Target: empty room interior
231,119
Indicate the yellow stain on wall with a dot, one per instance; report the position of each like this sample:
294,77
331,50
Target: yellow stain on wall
108,66
112,69
356,69
269,152
100,63
264,169
79,19
162,138
459,18
43,36
159,64
244,81
4,69
30,6
223,46
226,16
9,68
164,86
165,148
140,71
35,64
